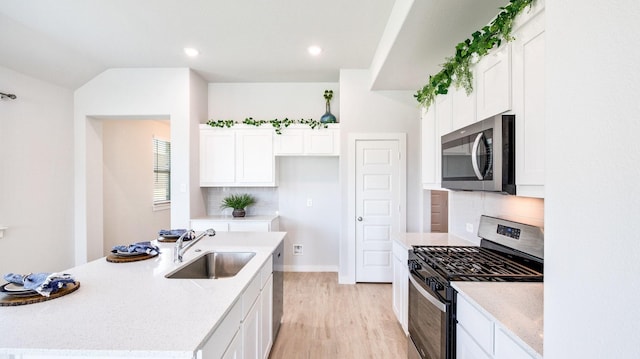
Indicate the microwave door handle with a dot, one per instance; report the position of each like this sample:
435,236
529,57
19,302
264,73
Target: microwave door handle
474,156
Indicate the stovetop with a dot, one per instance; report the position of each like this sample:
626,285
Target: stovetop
468,263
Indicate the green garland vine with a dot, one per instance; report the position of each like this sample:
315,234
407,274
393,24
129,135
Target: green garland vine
457,69
277,124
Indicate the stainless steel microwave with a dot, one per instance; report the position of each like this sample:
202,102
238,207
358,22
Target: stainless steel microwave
481,156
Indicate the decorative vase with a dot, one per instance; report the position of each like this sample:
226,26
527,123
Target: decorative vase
238,212
328,117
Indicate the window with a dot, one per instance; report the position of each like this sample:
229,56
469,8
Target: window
161,172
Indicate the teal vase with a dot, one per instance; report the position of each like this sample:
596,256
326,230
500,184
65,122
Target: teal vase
328,117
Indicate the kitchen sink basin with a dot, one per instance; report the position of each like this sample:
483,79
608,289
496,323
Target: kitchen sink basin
213,265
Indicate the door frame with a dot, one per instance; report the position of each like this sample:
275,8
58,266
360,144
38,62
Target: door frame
401,137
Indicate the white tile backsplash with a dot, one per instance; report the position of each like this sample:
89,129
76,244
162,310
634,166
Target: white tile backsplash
266,200
467,207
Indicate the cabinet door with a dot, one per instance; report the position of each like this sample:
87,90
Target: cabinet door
475,323
321,142
529,105
266,318
251,333
289,143
466,347
200,225
255,163
463,111
493,73
430,149
249,226
507,348
444,114
217,157
234,351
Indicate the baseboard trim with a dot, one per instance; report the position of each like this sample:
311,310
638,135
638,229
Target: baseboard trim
298,268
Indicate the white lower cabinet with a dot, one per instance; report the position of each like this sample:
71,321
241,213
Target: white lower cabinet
236,225
480,337
507,348
266,318
221,341
466,347
251,333
234,351
246,331
400,300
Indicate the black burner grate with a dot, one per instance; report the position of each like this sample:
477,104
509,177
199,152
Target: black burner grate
464,263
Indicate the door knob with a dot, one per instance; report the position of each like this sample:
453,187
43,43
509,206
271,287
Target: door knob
359,219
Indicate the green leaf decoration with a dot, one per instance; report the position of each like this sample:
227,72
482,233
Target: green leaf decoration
275,123
457,69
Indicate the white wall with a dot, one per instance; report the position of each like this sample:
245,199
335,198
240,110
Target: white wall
129,215
592,205
316,228
134,94
467,207
36,175
267,101
365,111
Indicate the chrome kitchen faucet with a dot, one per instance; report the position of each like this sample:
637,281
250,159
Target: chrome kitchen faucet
180,250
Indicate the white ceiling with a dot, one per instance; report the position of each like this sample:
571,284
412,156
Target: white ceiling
68,42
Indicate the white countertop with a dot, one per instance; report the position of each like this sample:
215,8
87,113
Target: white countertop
131,309
232,218
517,307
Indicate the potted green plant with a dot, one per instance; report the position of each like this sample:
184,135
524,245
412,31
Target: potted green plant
239,202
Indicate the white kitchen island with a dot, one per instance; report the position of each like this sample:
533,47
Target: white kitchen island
130,310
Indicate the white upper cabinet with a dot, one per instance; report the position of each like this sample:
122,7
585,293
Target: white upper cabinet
236,157
493,82
528,101
300,140
430,150
463,110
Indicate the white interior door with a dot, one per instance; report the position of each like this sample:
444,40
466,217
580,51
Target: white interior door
377,207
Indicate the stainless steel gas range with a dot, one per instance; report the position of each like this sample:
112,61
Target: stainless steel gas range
508,251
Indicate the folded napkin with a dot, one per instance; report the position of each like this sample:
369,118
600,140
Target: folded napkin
43,283
172,232
140,247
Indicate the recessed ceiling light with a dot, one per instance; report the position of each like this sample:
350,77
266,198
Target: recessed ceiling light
314,50
191,52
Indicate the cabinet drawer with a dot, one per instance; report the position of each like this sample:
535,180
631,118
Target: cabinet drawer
476,324
248,226
250,295
203,225
266,271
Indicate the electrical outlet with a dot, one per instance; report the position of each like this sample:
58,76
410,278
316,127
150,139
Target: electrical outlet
297,249
470,227
309,202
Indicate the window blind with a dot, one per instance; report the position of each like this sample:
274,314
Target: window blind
161,171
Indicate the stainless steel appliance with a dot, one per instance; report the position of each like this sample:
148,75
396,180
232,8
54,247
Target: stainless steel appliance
508,251
481,156
278,288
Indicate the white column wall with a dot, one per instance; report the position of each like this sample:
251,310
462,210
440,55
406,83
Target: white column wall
130,93
36,175
592,202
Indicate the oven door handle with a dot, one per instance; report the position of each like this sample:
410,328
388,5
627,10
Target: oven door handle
474,156
433,300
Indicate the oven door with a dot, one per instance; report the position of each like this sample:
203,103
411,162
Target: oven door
428,317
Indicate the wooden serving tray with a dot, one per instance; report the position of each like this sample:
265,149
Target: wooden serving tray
118,259
11,301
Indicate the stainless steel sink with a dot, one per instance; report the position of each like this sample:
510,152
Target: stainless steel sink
213,265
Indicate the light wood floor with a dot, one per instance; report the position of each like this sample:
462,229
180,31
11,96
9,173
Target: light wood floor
324,319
